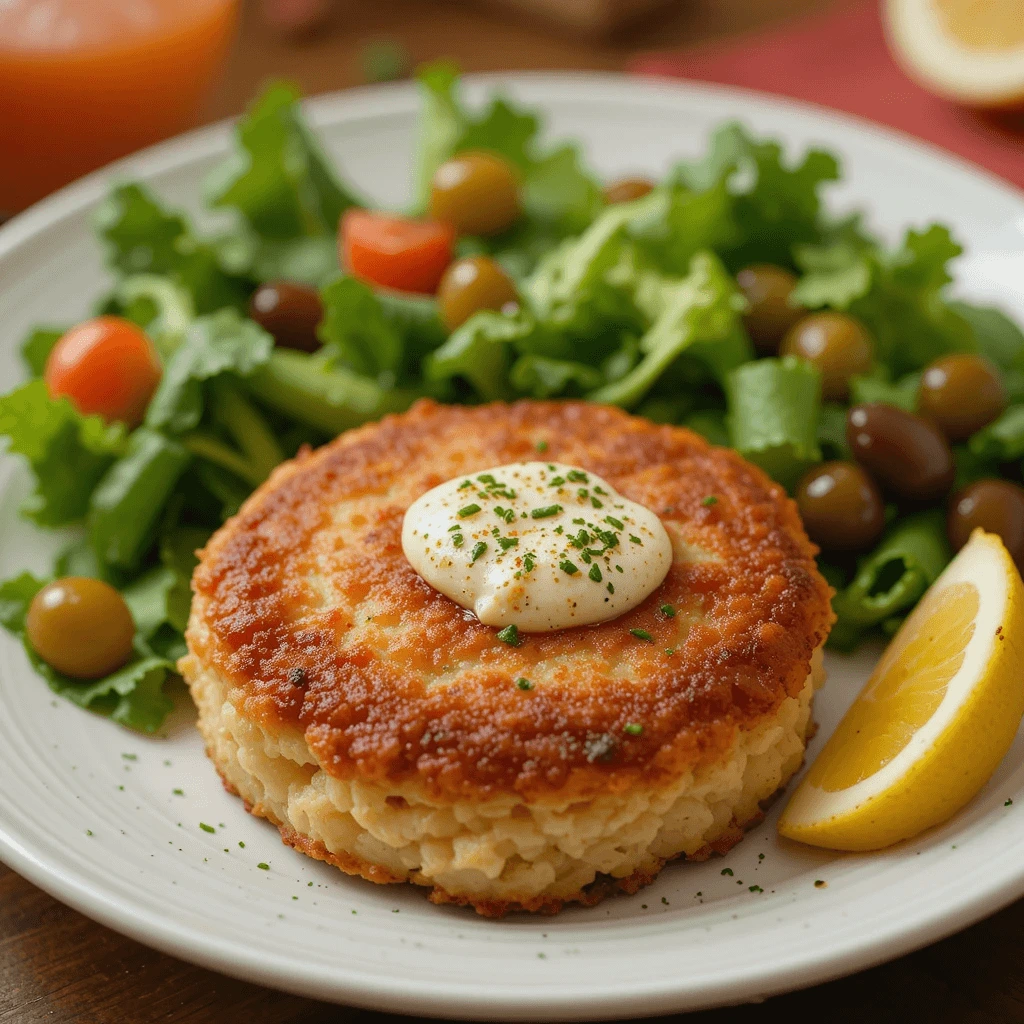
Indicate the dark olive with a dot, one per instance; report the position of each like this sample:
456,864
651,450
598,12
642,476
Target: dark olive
962,393
996,506
472,284
907,455
625,190
290,312
841,507
769,315
836,344
477,193
81,627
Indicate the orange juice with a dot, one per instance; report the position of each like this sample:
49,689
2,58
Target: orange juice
85,81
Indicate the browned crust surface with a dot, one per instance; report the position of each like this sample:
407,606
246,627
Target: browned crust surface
361,690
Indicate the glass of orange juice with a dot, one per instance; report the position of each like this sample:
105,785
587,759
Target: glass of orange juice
83,82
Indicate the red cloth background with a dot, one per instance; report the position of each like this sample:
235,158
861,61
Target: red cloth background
841,60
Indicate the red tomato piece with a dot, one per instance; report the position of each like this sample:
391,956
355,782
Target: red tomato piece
396,252
105,366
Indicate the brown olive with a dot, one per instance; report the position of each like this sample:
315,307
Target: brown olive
962,393
477,193
996,506
769,315
290,312
906,454
472,284
836,344
81,627
625,190
841,507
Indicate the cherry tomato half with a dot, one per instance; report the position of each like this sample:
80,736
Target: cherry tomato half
105,366
396,252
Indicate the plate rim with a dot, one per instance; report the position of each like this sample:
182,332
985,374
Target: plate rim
748,982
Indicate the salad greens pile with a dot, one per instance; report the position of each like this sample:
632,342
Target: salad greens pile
633,304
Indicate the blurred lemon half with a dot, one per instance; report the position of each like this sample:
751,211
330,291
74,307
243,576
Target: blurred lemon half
933,721
968,50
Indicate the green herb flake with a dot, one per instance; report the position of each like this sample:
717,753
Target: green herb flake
178,792
635,540
597,503
595,573
545,512
206,828
577,476
465,484
510,635
670,651
611,588
524,684
507,542
709,501
617,523
478,549
568,567
1008,802
541,446
529,561
755,888
469,510
820,883
728,871
458,539
263,866
130,757
455,528
241,845
642,634
667,609
633,729
89,832
556,481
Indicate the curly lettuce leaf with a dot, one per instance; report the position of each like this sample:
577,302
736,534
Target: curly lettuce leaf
133,696
68,453
701,318
141,237
996,336
36,348
897,295
217,344
278,178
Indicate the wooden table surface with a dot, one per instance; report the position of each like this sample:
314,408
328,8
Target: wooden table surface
56,965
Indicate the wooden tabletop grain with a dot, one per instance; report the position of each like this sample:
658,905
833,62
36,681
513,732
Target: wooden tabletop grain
56,965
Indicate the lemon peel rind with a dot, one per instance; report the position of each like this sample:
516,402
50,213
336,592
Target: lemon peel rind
955,753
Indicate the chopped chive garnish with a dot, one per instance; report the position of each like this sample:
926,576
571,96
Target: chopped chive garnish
206,828
667,609
263,866
595,574
642,634
755,888
597,503
507,542
635,540
452,529
510,635
583,493
567,567
577,476
709,501
619,568
469,510
556,481
633,728
545,512
487,478
670,651
458,539
524,684
465,484
600,490
506,514
611,588
726,871
612,521
541,446
478,549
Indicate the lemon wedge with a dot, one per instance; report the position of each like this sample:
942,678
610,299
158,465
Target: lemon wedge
937,715
968,50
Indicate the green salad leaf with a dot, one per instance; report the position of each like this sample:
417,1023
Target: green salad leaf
67,452
36,348
133,696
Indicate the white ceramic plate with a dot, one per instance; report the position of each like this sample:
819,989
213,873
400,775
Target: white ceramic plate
94,815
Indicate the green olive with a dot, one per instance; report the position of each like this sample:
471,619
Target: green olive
625,190
470,285
962,393
477,193
81,627
769,315
841,507
836,344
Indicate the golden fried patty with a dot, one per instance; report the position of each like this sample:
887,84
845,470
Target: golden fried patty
308,610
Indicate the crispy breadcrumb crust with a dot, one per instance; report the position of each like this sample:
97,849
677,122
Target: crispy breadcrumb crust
306,605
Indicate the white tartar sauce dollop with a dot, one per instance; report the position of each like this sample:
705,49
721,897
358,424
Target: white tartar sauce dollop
536,545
